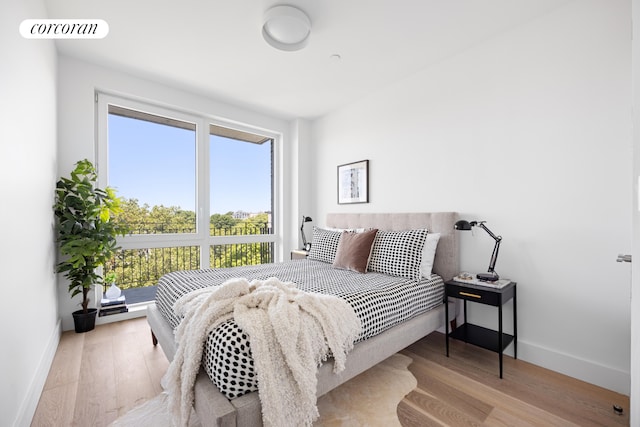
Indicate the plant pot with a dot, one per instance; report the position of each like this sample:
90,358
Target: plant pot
85,322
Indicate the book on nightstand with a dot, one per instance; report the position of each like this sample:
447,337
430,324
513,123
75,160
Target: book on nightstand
113,306
106,302
113,310
497,284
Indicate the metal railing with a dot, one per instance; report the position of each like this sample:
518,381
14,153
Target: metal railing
136,268
243,229
235,254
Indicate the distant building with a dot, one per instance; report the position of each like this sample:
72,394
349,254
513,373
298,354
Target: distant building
242,215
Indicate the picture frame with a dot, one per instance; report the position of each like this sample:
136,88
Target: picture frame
353,182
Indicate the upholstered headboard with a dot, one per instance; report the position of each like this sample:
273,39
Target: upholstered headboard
446,261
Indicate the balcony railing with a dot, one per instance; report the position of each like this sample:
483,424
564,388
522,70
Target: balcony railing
137,268
242,229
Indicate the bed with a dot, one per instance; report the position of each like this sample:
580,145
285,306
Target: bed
217,408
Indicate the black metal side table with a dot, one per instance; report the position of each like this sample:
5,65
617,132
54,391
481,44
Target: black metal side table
477,335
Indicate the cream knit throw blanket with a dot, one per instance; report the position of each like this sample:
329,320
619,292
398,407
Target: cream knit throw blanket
291,333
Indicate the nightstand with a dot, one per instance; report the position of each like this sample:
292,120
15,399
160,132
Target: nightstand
486,338
299,254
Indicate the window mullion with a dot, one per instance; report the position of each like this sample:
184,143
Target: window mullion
202,184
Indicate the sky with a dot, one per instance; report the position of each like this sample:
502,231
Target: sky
156,164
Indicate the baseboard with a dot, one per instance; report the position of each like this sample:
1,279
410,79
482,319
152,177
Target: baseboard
585,370
30,403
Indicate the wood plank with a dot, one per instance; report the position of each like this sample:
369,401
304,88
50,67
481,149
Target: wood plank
412,416
65,367
97,404
133,382
157,365
438,411
56,406
433,388
500,418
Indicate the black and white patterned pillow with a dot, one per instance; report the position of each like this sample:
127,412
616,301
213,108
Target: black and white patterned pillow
232,362
324,245
398,253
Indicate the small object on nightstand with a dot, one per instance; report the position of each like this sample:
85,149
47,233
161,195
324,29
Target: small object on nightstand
299,254
463,276
469,279
618,409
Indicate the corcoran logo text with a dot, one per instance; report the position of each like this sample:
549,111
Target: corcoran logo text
64,28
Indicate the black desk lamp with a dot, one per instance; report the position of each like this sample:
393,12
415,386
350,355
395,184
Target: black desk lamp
491,275
305,245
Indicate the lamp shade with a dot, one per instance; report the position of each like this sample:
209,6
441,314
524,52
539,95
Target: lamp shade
462,225
286,28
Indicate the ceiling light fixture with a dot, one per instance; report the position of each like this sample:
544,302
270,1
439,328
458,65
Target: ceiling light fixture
286,28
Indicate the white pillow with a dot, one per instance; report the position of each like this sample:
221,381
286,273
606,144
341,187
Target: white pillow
429,253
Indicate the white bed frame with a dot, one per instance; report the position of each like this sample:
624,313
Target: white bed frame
214,409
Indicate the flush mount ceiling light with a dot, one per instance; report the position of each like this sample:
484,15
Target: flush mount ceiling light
286,28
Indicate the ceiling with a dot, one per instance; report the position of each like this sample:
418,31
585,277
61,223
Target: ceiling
215,47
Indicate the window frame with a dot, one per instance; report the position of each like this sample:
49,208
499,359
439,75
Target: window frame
201,238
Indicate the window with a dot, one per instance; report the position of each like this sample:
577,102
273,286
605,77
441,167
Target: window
241,183
196,193
152,163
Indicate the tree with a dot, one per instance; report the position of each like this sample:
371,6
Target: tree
222,222
143,267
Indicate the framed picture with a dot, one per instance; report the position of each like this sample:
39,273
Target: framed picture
353,182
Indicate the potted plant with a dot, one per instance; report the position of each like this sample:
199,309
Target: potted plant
86,232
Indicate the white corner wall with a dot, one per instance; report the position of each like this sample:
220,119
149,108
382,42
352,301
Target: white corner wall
299,174
31,331
530,131
635,300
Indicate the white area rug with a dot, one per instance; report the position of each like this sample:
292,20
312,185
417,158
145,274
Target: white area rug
370,399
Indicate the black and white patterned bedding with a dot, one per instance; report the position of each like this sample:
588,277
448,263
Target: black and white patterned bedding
380,301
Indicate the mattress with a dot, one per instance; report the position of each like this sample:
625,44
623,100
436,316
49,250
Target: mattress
380,301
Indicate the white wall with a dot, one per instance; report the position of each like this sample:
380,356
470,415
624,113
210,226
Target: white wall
530,131
30,331
299,172
635,300
77,83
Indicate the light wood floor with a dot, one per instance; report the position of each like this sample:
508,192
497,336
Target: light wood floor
465,390
99,375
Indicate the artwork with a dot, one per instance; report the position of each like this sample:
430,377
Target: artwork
353,182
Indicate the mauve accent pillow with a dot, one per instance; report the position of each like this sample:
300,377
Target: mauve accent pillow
354,250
